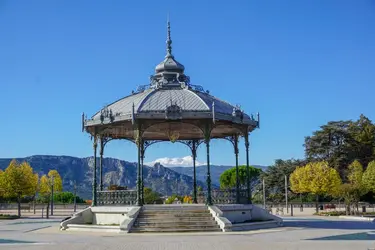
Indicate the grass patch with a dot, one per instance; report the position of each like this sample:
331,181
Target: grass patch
8,217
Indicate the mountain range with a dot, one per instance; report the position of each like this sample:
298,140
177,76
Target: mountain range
167,181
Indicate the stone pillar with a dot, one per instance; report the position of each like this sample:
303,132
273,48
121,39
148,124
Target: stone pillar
194,155
248,179
101,162
207,141
94,184
235,144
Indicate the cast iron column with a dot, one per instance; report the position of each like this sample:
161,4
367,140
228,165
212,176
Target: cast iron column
237,171
142,177
101,163
247,144
207,141
95,145
194,154
139,180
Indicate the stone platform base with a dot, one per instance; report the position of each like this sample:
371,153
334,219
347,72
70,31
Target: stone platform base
171,218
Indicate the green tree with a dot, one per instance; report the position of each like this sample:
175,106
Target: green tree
18,181
52,179
228,177
369,177
341,142
66,197
151,197
363,132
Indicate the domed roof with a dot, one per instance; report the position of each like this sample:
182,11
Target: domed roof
170,96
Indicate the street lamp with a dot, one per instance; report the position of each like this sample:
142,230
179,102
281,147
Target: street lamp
52,180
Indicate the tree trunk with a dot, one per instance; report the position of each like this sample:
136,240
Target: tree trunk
347,209
19,206
47,213
317,204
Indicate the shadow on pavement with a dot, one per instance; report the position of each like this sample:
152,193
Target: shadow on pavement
329,224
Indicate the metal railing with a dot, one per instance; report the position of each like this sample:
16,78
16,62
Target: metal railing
224,196
117,197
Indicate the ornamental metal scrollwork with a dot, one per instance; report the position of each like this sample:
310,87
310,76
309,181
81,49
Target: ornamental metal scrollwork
173,112
106,113
197,88
237,112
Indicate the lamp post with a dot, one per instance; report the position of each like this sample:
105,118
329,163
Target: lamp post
52,183
75,196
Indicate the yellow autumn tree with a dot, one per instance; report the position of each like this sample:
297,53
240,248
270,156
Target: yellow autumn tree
52,179
18,181
368,177
315,178
1,183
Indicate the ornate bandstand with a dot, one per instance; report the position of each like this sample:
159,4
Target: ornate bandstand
169,108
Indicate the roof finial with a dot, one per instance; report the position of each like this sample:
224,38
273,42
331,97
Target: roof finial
169,40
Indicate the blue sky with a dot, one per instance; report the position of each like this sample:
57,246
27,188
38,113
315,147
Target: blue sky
299,63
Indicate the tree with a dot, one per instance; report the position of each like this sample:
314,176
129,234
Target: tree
228,177
316,178
331,143
18,181
363,132
274,178
151,197
66,197
341,142
369,177
352,191
1,183
173,198
52,179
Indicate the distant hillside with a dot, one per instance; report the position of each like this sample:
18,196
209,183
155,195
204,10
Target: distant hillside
216,171
163,180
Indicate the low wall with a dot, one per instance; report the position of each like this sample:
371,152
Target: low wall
88,219
109,215
236,213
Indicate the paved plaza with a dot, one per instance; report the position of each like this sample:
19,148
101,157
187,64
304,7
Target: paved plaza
298,233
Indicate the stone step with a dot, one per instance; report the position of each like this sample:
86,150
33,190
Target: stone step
163,215
175,211
174,223
175,219
174,230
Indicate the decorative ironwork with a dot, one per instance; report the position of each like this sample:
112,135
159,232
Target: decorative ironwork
106,113
197,87
83,121
227,196
173,135
142,88
237,112
173,112
117,197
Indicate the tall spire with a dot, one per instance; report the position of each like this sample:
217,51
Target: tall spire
169,40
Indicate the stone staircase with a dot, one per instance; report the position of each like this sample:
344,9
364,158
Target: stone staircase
174,218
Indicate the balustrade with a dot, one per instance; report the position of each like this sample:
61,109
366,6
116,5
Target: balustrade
117,197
